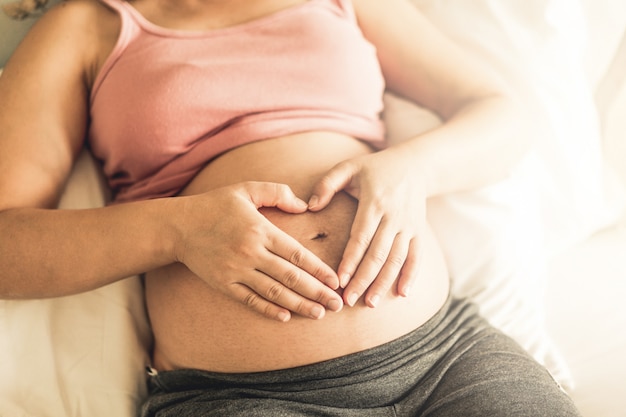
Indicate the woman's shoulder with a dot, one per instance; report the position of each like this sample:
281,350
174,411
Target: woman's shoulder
78,12
83,29
79,20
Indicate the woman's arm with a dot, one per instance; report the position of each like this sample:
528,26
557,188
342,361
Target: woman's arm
48,253
43,116
479,141
482,134
45,252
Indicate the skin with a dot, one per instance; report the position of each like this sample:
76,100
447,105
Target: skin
47,252
197,326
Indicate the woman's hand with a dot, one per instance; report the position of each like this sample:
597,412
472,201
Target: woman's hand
383,248
237,251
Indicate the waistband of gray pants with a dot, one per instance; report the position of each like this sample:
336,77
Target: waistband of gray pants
366,364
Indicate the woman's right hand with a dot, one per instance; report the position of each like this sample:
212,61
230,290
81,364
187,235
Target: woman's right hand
230,245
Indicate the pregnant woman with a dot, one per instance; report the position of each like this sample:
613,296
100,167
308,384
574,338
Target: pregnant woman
288,265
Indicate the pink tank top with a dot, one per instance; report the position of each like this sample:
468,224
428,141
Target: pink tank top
168,101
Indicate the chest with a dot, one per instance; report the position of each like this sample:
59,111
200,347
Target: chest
164,91
209,14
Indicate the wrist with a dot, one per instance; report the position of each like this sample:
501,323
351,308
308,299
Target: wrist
419,162
171,229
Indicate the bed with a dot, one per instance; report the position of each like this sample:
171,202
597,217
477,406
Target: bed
542,252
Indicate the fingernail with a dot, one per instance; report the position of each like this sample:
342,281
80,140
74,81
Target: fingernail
344,280
284,316
374,299
302,204
332,282
317,312
352,299
335,305
314,201
406,291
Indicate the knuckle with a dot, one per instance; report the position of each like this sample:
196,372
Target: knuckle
281,192
268,311
257,230
327,182
299,306
378,203
247,250
360,285
297,257
274,291
251,300
321,297
362,240
385,281
378,257
291,278
280,187
395,261
319,273
278,190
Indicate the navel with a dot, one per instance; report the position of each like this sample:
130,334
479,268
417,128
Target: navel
320,236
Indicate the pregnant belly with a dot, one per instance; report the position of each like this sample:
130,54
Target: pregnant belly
195,327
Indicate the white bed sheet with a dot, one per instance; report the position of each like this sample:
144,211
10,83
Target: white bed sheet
587,317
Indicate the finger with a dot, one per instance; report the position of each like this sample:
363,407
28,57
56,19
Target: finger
268,194
364,228
289,249
390,271
253,300
306,289
334,181
410,269
372,264
291,288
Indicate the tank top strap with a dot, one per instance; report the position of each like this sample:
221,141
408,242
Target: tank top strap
117,5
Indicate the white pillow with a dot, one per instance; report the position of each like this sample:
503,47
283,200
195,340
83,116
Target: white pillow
81,355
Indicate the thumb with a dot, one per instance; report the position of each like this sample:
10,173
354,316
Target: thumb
267,194
334,181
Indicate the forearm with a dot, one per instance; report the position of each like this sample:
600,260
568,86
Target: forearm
47,253
477,146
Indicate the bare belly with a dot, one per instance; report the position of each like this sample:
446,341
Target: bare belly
195,327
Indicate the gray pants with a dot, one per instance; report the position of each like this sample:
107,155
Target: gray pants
454,365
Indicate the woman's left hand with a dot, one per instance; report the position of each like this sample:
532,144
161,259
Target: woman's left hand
384,246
